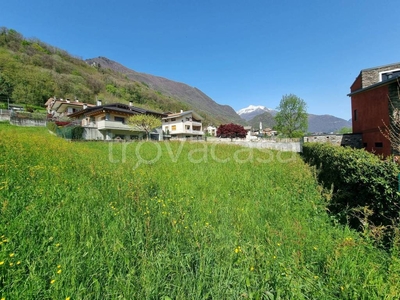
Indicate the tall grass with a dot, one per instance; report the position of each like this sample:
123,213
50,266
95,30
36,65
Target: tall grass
173,221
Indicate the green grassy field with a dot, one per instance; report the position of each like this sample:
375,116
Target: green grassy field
173,221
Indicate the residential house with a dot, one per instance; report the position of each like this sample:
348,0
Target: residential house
269,132
185,124
59,108
110,122
373,94
211,130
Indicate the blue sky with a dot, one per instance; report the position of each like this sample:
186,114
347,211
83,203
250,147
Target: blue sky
237,52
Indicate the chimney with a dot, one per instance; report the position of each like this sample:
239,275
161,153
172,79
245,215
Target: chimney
76,100
181,111
99,102
84,105
130,103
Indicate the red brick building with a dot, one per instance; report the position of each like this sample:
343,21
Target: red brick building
371,94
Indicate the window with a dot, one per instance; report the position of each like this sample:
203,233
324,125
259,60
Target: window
119,119
173,127
166,121
390,75
173,119
365,145
378,144
355,115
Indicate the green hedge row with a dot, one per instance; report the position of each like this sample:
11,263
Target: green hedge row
359,179
66,132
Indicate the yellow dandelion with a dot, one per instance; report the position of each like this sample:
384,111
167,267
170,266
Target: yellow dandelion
12,254
274,257
1,263
59,267
251,268
52,281
58,245
18,262
11,264
279,244
315,248
68,298
3,298
59,271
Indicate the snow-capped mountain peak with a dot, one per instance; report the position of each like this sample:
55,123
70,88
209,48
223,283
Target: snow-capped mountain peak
251,111
252,108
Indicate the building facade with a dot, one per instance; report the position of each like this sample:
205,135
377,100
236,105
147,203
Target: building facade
373,94
183,125
110,122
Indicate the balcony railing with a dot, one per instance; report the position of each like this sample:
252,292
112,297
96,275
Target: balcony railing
112,125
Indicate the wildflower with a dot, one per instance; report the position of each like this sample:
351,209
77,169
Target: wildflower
11,264
59,271
238,249
58,245
1,263
18,262
274,257
68,298
315,248
12,254
59,267
52,281
279,244
3,298
252,268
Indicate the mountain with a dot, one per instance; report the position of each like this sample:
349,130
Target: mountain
326,123
195,99
316,123
32,71
251,111
266,119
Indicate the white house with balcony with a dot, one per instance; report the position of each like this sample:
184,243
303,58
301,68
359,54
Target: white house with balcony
59,108
110,122
183,125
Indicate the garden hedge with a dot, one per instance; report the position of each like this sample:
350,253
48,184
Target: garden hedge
358,179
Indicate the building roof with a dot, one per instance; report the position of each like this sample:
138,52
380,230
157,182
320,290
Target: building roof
375,85
379,67
183,113
117,107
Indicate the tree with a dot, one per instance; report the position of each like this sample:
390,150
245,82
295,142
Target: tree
144,122
345,130
391,131
292,118
231,131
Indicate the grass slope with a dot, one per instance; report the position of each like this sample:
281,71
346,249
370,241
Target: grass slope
172,221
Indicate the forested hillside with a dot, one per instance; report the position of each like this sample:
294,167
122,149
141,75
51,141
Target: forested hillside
32,71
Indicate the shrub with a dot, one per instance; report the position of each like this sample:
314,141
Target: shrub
358,179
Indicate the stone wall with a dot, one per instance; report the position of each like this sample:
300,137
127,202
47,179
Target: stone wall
27,122
371,76
5,115
351,140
